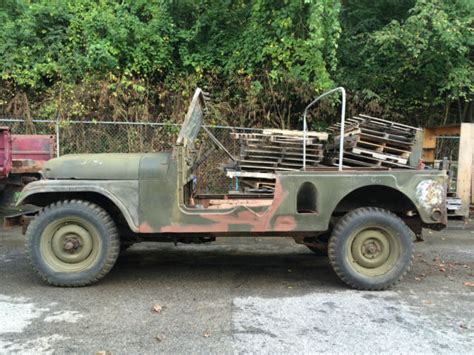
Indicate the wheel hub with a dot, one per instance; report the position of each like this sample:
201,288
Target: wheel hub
71,243
371,248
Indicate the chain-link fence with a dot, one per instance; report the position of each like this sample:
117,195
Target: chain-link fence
447,149
75,137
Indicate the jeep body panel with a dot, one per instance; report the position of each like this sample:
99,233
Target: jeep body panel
171,215
111,166
122,193
154,202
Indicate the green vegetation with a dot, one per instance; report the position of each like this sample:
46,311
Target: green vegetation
262,60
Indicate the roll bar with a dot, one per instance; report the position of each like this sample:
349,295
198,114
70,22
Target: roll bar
343,115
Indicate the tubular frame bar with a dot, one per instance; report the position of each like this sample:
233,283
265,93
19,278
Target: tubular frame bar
343,115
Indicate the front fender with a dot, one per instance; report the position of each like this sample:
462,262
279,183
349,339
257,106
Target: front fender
122,193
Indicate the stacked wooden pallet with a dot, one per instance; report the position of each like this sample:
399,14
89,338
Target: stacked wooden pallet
262,154
372,142
278,150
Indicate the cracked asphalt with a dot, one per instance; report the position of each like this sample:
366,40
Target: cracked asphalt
252,295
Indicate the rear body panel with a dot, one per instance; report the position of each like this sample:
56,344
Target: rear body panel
166,212
32,146
24,153
31,152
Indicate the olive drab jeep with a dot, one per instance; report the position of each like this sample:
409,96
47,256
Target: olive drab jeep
92,206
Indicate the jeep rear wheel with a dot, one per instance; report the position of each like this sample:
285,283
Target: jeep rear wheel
72,243
371,249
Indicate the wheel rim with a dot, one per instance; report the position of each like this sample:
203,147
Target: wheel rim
374,251
70,244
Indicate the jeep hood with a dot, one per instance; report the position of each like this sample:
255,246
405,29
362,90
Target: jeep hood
107,166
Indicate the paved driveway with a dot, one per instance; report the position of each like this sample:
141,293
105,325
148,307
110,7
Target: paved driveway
265,295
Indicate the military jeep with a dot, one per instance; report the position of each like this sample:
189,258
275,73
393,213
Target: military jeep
92,206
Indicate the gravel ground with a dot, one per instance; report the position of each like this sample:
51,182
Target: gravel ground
252,295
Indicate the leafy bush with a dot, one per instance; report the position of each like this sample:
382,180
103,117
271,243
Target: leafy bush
262,60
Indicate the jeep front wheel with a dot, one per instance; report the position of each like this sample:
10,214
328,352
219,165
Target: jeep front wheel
371,249
72,243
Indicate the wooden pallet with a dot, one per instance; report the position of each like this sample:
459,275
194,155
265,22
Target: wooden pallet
378,155
371,141
388,124
359,142
357,160
322,136
382,148
278,150
277,138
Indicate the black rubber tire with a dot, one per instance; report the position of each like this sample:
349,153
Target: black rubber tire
107,232
339,248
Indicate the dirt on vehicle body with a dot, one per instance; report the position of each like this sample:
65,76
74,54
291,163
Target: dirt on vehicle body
94,205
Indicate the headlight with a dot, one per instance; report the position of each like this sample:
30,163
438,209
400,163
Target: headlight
430,194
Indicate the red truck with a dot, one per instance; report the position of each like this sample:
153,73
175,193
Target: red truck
21,158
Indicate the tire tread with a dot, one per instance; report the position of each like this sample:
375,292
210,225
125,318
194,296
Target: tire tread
337,233
113,240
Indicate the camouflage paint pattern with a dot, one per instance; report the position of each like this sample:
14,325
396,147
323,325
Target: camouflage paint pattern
171,215
148,190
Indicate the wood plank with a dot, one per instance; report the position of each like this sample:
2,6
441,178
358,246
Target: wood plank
245,174
288,149
384,127
271,154
388,136
465,165
380,147
396,123
323,136
374,161
378,155
388,142
259,168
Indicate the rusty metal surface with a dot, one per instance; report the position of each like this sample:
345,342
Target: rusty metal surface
430,193
5,152
24,153
19,219
32,146
27,166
